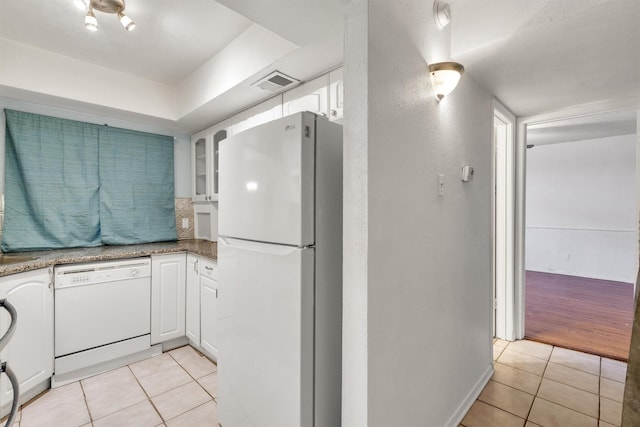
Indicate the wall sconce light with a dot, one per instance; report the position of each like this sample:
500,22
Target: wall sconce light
445,77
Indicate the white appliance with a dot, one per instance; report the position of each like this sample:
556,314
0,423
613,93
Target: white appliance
280,275
102,314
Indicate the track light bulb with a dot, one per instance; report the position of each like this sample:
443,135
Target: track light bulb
90,21
126,22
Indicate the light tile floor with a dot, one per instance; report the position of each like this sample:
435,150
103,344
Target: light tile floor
177,388
533,385
540,385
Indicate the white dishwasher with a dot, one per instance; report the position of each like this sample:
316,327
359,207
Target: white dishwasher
102,315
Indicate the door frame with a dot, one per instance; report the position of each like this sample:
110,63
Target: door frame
518,318
502,219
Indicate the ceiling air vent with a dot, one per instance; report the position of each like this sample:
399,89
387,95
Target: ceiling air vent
275,82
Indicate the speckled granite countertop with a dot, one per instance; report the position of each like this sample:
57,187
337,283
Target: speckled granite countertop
50,258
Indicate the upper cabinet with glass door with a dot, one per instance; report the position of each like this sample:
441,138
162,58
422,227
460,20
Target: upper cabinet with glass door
323,95
204,155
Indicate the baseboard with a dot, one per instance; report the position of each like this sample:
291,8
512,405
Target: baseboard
174,343
468,401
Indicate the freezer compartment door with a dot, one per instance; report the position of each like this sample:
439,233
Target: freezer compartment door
265,359
266,190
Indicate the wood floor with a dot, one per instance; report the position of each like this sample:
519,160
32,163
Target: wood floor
589,315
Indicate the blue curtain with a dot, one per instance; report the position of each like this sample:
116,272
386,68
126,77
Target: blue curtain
51,183
136,187
74,184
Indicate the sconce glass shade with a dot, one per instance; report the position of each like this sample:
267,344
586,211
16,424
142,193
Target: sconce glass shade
445,77
90,21
126,22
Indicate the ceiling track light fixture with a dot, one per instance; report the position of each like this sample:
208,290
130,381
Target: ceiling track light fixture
107,6
445,77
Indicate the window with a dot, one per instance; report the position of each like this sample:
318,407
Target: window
74,184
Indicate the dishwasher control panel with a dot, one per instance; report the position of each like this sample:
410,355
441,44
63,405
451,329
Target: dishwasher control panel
101,272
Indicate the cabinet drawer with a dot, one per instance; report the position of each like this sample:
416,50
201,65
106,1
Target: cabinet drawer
208,269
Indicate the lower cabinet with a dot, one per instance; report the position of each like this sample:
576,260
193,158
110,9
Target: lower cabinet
184,301
193,300
29,352
209,308
168,282
202,304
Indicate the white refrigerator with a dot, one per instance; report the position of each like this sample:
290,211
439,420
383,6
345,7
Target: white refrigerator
280,275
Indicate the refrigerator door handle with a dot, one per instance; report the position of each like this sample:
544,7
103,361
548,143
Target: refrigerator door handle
249,245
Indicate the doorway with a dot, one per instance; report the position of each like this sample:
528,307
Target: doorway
580,235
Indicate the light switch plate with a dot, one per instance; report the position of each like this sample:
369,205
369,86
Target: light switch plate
467,173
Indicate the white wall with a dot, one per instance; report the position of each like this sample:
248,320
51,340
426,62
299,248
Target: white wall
581,209
182,143
37,70
417,267
355,219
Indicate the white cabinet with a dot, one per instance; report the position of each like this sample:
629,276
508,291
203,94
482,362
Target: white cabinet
168,282
311,96
204,150
205,221
209,307
29,353
204,157
264,112
202,304
336,95
193,300
200,158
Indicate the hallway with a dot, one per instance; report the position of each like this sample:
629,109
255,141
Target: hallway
537,384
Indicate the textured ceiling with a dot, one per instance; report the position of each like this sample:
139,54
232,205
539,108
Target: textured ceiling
171,39
542,55
534,55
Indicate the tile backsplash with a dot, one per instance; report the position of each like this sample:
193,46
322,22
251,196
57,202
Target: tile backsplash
184,216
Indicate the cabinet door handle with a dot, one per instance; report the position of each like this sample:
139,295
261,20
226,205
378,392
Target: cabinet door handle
206,267
195,266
